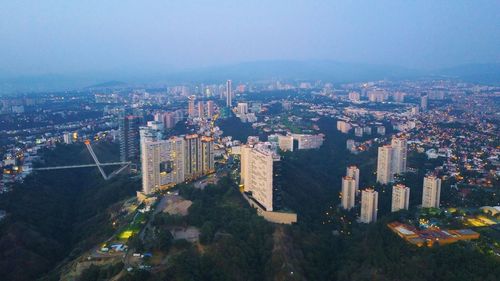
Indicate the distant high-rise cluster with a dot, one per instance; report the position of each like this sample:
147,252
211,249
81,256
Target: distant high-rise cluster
166,162
200,109
391,160
398,96
169,119
378,95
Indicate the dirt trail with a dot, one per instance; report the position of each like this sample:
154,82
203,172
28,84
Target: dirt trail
285,258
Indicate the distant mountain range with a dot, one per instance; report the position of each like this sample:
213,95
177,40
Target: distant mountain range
478,73
261,70
297,70
107,85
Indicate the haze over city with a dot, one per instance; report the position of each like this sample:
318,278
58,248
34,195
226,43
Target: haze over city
151,37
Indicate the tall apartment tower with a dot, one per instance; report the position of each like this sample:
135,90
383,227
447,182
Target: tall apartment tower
210,109
201,111
229,93
129,139
400,197
244,163
193,156
207,155
242,108
353,172
399,155
150,162
431,192
384,165
168,120
348,192
191,107
258,166
162,163
369,205
423,102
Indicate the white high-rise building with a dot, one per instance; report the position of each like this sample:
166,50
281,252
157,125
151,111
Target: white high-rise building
174,160
191,108
257,173
423,102
353,172
207,155
210,109
229,93
343,126
243,108
193,166
348,192
244,161
369,205
431,192
400,197
391,160
384,165
399,155
150,161
201,111
162,163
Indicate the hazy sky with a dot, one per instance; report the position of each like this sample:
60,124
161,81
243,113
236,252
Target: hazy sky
38,37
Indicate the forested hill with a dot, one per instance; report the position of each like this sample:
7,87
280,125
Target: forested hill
58,214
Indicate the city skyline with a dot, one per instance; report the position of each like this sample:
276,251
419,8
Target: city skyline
250,140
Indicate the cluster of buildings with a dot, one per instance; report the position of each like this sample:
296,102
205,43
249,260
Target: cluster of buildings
391,161
400,197
201,109
169,118
245,113
169,161
345,126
